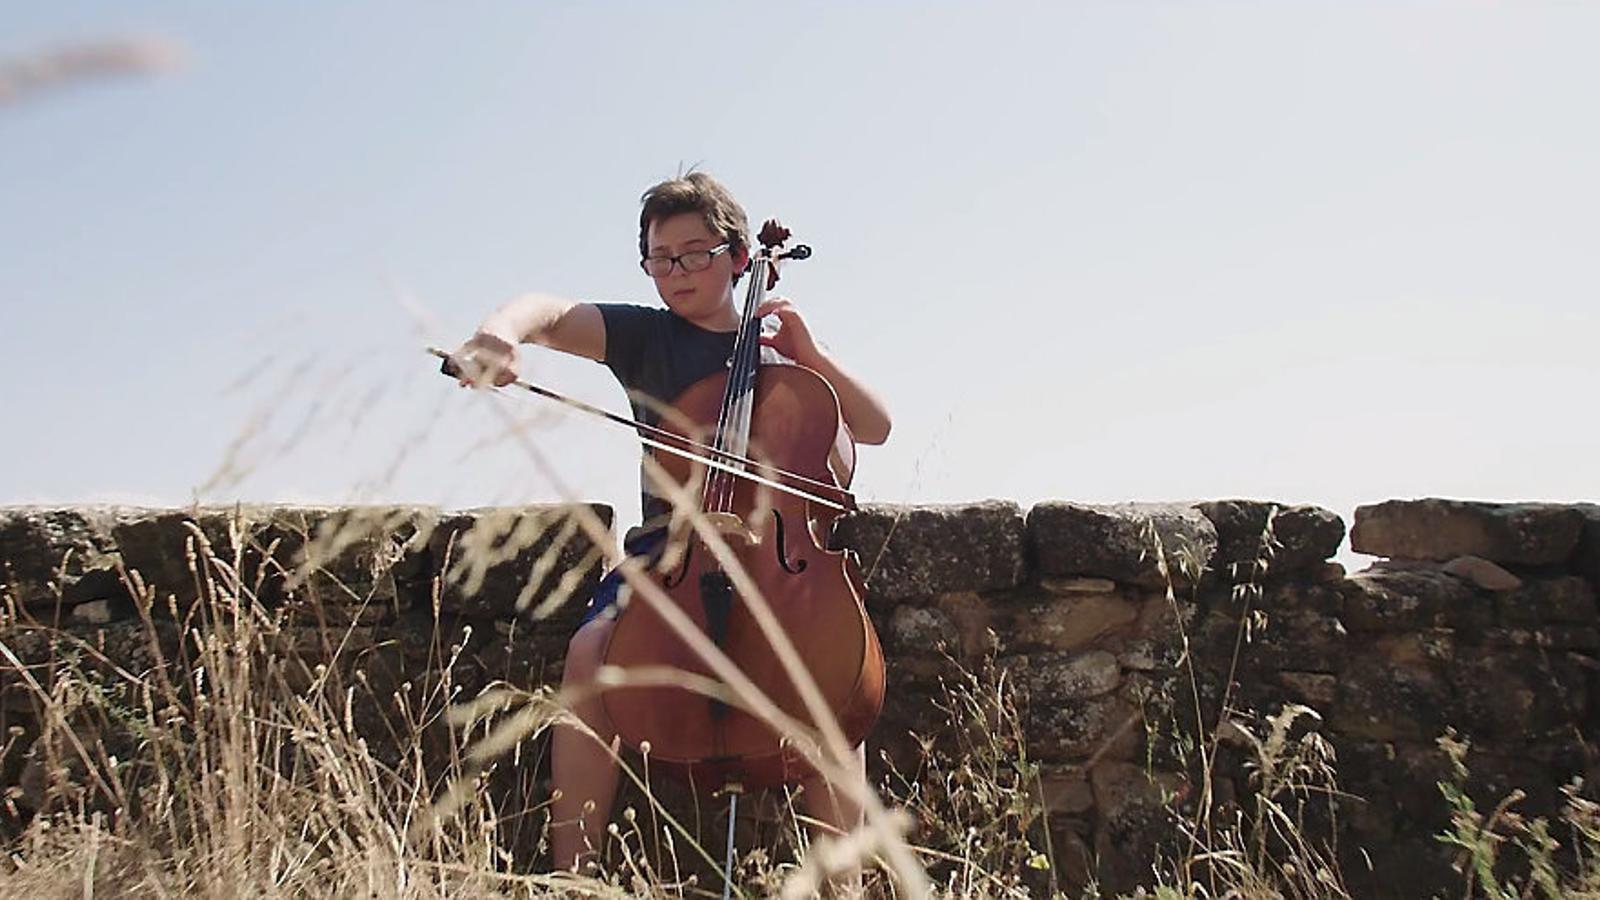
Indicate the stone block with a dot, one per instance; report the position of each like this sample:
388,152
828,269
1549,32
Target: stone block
1120,541
1300,639
1143,656
1162,622
1105,727
1065,790
161,545
909,551
1586,557
1580,638
921,631
1035,620
1423,647
1065,677
1550,600
1315,689
39,545
1526,534
1121,789
1365,771
1330,572
1289,596
1509,694
532,562
104,583
1379,701
1482,573
1537,769
911,714
1399,598
1290,639
1133,819
973,618
99,612
353,556
1301,537
1070,587
311,556
1071,712
1401,867
1075,862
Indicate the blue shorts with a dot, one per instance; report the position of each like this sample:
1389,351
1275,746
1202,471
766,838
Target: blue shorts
646,545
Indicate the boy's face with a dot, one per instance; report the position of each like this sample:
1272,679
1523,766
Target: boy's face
697,296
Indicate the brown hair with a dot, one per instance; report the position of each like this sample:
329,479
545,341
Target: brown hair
695,192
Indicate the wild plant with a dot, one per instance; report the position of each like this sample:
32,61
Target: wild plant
1279,838
975,793
1505,855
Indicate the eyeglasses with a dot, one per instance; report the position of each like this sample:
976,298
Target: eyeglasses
693,261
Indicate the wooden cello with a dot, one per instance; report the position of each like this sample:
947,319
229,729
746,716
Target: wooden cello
778,452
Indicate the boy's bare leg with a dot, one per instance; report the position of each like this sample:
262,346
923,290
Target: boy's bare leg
582,771
837,813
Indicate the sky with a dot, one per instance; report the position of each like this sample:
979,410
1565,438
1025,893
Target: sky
1310,252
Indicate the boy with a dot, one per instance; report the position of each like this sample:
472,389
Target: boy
694,243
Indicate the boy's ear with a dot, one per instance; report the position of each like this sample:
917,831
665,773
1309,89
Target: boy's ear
741,260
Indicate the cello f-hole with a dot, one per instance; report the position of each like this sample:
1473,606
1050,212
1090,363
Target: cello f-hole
798,565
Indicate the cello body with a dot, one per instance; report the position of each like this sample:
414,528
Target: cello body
780,541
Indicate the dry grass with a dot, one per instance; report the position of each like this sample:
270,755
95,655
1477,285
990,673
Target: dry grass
234,768
23,76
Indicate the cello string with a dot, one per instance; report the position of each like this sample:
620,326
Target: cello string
750,353
734,420
716,492
725,416
752,368
719,492
743,385
747,389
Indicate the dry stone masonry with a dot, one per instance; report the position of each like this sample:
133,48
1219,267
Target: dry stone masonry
1132,635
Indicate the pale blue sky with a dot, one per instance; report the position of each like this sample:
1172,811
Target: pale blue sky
1314,252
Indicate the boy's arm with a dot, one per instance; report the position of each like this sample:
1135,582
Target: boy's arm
866,415
862,410
565,325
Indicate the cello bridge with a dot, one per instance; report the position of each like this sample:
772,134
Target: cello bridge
732,529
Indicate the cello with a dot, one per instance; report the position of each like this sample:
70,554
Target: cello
749,569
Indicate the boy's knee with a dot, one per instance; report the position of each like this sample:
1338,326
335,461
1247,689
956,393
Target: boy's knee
585,652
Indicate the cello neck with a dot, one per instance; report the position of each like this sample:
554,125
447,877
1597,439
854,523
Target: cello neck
738,399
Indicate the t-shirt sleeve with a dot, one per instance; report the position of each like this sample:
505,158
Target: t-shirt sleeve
629,332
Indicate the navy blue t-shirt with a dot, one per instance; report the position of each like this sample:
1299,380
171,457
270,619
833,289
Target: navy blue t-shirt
656,353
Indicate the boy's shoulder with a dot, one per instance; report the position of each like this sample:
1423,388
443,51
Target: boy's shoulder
635,316
631,326
641,341
631,309
639,322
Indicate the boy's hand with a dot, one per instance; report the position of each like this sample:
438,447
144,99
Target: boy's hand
793,339
486,358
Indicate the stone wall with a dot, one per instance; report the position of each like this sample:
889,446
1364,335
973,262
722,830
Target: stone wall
1132,635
